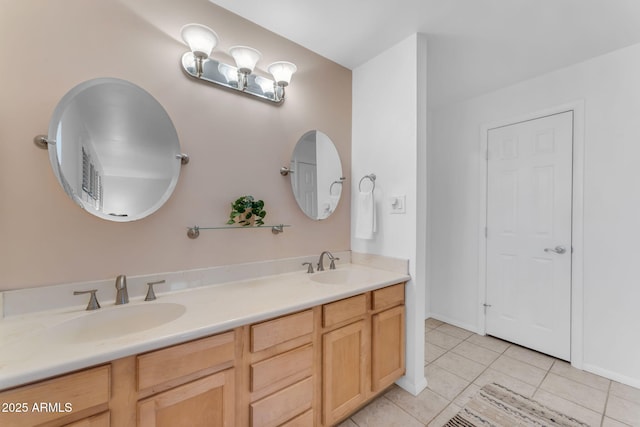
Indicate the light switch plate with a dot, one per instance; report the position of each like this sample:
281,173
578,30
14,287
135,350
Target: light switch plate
398,204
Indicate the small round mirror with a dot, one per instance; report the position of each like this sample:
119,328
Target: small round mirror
114,149
316,175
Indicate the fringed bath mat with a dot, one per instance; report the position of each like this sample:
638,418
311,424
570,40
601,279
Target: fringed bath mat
497,406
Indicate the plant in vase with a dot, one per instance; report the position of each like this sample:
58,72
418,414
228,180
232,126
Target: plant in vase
247,211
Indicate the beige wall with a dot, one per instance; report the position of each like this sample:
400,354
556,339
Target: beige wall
237,144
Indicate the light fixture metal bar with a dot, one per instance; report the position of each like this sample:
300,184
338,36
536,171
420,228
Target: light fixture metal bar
227,75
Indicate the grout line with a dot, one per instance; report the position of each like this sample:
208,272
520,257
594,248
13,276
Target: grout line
548,371
402,409
606,403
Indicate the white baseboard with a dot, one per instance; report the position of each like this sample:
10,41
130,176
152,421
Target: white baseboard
454,322
615,376
414,388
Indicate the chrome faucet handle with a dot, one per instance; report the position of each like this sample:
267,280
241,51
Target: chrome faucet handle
150,294
309,268
122,296
332,266
93,300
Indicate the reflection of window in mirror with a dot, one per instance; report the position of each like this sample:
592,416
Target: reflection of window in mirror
118,170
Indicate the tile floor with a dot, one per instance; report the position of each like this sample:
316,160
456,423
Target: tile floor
459,362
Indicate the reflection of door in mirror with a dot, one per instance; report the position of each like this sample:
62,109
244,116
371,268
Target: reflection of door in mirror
307,187
316,175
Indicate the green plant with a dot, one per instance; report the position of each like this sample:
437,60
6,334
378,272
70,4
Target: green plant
246,210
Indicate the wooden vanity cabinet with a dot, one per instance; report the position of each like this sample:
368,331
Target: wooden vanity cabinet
387,336
363,350
311,368
345,343
190,384
78,399
280,367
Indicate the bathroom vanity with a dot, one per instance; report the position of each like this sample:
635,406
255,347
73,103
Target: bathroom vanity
292,349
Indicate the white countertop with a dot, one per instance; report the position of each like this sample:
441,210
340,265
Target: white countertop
30,351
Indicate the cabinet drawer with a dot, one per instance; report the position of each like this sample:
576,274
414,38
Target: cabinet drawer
82,390
388,297
346,309
171,363
279,407
277,331
283,370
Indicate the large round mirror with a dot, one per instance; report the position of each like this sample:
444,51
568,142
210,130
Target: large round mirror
316,175
114,149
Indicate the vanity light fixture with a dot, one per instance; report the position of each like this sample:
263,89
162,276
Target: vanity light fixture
198,64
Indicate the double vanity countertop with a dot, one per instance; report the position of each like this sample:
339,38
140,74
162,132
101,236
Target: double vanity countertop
39,345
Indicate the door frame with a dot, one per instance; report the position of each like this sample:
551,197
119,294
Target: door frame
577,220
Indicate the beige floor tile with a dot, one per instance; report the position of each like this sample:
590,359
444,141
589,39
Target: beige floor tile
568,408
460,366
464,397
442,340
432,323
492,376
432,352
424,407
347,423
382,413
531,357
455,331
488,342
574,391
520,370
444,382
476,353
564,369
608,422
624,391
623,410
448,413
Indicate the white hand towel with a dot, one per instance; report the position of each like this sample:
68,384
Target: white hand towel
365,215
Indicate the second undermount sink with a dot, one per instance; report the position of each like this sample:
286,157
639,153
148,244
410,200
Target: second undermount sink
342,277
114,322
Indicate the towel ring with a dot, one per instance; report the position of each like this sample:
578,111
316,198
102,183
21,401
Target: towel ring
371,177
342,178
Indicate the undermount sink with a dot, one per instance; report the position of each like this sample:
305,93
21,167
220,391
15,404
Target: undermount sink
341,277
115,322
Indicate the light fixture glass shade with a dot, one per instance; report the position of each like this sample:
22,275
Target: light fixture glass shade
246,58
282,72
200,38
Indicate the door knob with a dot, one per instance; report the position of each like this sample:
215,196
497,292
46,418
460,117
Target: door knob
557,250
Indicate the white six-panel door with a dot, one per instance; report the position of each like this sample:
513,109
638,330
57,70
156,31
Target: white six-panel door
528,299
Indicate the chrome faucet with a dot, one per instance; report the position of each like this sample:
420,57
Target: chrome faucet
333,260
122,297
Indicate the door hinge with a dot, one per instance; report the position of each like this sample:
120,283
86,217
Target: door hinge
487,155
486,232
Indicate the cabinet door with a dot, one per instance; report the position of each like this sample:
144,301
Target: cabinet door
344,354
208,402
387,347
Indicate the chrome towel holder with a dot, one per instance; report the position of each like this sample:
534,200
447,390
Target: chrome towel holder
371,177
